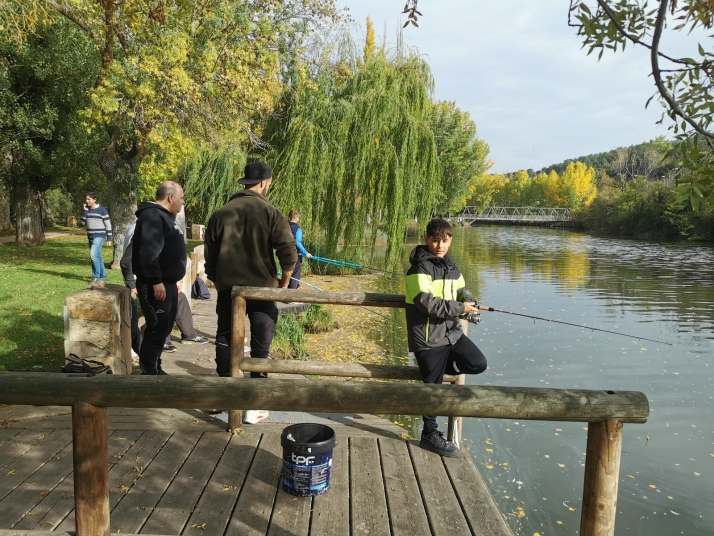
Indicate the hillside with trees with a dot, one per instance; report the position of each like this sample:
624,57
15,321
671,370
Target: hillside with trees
630,191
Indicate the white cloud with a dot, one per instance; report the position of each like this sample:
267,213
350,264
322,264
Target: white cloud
515,65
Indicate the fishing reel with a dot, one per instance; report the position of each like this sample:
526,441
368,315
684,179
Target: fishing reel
473,318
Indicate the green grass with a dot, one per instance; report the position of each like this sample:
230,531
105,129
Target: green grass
33,285
289,340
317,319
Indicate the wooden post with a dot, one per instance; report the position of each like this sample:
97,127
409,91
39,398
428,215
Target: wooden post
194,267
91,469
602,473
455,429
235,416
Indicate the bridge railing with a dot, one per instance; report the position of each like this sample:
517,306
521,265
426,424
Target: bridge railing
472,213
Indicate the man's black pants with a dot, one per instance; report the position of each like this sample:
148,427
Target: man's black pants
263,316
297,274
160,317
464,357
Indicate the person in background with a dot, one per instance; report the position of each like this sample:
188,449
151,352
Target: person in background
293,219
99,229
159,262
243,238
435,298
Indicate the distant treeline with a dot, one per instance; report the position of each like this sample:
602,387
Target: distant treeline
629,191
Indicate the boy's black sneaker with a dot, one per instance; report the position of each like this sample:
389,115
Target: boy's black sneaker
169,348
435,442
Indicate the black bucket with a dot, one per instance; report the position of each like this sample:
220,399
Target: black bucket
307,458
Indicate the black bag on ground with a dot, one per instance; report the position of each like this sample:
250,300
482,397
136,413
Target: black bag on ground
76,365
199,290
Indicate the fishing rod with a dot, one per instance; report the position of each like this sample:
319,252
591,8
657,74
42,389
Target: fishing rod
360,306
335,262
486,308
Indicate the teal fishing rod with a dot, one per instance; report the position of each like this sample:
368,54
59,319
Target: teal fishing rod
584,326
343,264
360,306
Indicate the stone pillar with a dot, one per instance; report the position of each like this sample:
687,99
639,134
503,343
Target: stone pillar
97,325
198,232
71,221
186,283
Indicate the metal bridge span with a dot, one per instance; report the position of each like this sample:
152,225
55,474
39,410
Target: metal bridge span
525,215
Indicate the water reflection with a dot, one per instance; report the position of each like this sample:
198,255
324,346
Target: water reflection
647,289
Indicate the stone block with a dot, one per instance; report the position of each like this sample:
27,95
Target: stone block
198,232
98,326
71,221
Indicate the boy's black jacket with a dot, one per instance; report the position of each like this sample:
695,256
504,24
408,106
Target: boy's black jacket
434,296
159,249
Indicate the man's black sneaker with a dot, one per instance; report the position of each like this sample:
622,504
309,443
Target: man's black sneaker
196,340
169,348
435,442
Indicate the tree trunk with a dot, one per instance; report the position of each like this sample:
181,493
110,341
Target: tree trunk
120,170
48,219
28,213
4,209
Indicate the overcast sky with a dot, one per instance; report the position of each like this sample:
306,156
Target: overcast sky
515,65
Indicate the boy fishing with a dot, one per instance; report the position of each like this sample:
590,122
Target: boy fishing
435,297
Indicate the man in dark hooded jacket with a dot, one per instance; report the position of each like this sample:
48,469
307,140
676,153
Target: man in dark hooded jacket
158,261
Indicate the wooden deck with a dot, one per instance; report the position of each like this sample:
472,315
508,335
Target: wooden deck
178,472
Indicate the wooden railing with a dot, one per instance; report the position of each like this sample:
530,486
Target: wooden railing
604,411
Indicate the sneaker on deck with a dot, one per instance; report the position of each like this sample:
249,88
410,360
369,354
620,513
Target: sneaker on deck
254,416
196,340
169,348
435,442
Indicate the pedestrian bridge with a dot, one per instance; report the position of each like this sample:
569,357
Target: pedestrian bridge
524,215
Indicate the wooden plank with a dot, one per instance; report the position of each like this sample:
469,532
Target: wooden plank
90,455
331,511
22,500
602,474
15,532
346,370
54,508
6,434
20,444
481,511
369,299
291,515
368,503
175,507
32,458
406,509
442,506
216,504
135,507
255,502
324,396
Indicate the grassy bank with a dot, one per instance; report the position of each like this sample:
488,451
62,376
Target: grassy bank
33,285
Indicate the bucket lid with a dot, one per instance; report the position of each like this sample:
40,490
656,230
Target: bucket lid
308,438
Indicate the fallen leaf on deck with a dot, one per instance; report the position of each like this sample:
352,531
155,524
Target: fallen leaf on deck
653,486
561,465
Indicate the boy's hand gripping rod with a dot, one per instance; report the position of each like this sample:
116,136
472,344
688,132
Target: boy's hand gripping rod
486,308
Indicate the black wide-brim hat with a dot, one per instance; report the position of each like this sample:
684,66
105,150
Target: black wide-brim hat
256,172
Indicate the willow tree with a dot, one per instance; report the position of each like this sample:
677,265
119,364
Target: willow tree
353,149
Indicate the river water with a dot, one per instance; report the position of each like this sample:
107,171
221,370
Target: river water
660,291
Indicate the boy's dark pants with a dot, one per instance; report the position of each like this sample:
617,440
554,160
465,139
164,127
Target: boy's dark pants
464,357
297,274
160,317
263,316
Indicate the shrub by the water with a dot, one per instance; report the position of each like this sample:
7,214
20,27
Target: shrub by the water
289,340
317,319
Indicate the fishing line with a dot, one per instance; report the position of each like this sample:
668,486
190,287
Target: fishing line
360,306
335,262
486,308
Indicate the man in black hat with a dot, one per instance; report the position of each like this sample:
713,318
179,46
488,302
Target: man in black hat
239,244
